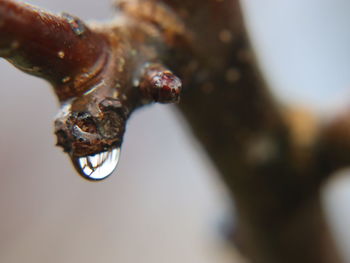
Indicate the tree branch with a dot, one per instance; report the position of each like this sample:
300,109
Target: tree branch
59,48
101,73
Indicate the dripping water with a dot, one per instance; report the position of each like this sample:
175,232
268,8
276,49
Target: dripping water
99,166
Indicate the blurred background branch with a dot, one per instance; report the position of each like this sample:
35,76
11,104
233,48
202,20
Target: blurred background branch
272,159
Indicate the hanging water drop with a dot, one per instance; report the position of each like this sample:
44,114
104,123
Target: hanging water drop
99,166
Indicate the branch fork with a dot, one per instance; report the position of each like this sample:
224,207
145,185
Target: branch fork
89,68
101,73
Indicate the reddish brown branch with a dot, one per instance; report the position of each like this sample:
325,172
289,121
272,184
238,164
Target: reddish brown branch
274,179
102,73
61,49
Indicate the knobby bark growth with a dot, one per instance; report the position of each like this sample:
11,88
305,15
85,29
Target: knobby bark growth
102,72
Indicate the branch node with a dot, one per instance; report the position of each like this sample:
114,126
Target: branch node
160,84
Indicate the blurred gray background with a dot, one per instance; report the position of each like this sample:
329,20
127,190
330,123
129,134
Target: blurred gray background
165,202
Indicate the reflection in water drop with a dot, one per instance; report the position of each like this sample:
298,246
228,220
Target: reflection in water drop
99,166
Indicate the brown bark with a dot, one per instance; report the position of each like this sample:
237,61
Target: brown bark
273,171
55,47
273,176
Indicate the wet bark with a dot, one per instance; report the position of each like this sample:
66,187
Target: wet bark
272,170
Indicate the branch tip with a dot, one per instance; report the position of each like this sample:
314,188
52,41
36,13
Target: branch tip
160,84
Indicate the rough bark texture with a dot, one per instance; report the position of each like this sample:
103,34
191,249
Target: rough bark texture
273,160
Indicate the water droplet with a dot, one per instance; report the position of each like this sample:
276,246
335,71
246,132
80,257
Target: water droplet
99,166
75,23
